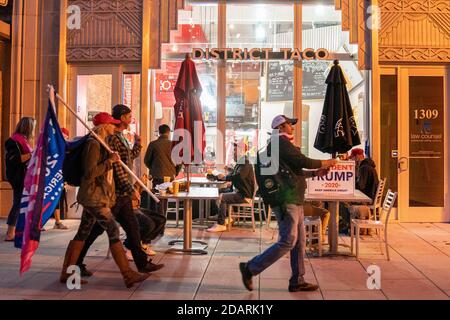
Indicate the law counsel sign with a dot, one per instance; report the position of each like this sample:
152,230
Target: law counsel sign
340,180
259,54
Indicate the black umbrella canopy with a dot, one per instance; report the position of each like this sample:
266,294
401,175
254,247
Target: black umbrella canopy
337,132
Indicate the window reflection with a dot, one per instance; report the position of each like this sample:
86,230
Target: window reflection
322,29
257,90
197,27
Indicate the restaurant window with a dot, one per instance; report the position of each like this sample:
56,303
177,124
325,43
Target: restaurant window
131,97
197,28
256,91
94,95
322,29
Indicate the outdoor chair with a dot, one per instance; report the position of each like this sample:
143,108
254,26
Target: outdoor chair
375,207
269,217
379,225
248,208
175,209
261,209
313,230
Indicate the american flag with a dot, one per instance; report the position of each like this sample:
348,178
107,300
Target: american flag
44,183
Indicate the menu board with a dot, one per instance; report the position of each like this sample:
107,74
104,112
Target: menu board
280,81
314,76
235,106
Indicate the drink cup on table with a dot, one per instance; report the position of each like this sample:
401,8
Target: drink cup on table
176,187
166,179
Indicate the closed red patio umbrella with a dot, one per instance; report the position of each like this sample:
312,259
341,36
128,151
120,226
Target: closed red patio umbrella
189,139
188,113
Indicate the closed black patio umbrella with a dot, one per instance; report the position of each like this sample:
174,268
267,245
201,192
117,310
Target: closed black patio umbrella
337,132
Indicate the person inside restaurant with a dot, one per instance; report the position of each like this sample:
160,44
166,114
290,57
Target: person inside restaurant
159,162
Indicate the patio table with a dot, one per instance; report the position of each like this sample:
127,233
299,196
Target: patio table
333,200
195,193
205,205
204,182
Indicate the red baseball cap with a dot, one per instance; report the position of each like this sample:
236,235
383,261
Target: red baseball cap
65,132
356,152
104,118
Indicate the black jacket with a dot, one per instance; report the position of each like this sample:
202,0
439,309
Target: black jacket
243,178
15,168
293,158
367,178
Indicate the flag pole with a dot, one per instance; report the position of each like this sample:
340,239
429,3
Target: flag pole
100,140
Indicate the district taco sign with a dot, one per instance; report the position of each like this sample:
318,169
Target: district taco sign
340,180
259,54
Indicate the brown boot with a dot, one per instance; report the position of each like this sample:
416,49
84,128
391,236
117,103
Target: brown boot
72,253
130,276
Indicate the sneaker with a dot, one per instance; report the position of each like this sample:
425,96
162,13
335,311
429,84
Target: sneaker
148,250
60,226
305,286
231,221
246,276
217,228
129,255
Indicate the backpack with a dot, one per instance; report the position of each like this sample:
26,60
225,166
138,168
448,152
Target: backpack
72,166
15,170
275,188
245,185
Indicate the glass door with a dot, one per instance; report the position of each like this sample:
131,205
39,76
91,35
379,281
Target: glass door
92,90
422,153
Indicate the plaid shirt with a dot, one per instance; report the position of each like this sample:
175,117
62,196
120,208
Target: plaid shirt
122,180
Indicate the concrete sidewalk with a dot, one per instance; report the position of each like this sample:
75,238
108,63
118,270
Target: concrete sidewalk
419,268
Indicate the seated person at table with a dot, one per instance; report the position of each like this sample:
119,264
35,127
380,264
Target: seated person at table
366,175
243,185
229,170
316,209
366,181
151,223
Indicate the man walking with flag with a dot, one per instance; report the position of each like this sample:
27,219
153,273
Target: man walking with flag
97,195
125,193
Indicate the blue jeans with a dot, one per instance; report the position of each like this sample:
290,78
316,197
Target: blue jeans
291,238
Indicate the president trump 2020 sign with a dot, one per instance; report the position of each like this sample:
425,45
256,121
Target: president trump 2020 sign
340,180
